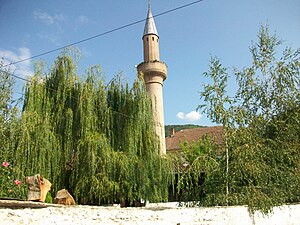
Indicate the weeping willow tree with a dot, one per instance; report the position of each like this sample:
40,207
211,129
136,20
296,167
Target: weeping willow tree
97,141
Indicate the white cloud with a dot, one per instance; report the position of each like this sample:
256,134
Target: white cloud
22,69
83,19
46,18
190,117
54,32
180,115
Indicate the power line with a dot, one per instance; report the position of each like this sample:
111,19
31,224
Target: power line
51,89
102,34
88,39
13,75
21,78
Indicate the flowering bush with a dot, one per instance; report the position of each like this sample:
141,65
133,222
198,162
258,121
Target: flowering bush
5,164
10,186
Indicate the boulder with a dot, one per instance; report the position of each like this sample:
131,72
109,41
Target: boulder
63,197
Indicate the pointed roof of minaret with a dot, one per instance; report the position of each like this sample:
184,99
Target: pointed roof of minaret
150,27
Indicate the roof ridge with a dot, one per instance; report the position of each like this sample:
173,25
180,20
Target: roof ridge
208,127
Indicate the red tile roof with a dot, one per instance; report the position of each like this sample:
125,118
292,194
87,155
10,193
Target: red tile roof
193,135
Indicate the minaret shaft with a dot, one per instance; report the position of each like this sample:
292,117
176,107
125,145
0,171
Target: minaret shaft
154,72
151,48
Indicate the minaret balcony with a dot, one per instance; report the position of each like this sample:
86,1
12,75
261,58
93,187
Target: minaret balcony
153,68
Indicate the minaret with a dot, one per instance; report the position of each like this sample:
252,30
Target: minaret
154,72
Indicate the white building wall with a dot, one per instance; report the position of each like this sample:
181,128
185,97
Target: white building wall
152,214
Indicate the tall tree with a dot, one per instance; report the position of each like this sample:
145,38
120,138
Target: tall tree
8,112
10,185
261,124
97,141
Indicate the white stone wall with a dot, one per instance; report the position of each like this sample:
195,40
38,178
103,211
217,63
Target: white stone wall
152,214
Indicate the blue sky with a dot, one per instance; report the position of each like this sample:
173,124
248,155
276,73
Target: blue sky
188,37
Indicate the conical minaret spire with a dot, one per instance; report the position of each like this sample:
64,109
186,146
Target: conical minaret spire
154,72
150,27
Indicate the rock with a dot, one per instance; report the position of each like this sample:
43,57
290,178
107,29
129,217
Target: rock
64,197
38,188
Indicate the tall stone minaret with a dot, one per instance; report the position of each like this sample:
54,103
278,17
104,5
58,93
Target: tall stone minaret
154,72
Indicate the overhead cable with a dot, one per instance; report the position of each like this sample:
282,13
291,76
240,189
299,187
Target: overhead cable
102,34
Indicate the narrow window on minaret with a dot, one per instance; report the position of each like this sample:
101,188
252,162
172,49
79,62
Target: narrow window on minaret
147,39
152,38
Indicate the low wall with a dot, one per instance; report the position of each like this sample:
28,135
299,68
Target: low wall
167,213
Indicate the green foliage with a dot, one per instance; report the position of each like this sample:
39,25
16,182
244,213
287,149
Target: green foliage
260,160
8,112
8,124
49,198
6,92
97,141
10,185
198,169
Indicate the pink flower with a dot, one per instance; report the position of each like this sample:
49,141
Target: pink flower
17,182
5,164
